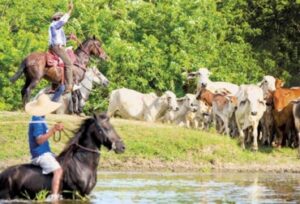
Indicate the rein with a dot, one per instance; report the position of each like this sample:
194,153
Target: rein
57,138
83,85
87,149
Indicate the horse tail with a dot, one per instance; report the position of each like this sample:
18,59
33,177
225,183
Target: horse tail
19,72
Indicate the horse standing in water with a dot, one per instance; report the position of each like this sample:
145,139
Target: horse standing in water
79,161
35,66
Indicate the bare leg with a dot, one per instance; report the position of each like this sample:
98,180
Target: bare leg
57,176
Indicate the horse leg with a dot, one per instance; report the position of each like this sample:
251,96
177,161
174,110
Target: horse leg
23,91
80,102
74,102
26,91
4,194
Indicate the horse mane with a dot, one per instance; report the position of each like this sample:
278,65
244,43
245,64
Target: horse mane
84,43
78,134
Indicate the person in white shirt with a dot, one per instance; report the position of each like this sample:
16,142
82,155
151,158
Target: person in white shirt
57,43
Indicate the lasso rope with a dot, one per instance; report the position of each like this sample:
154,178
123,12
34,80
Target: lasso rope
57,136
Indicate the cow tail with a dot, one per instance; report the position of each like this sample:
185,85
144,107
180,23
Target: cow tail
19,72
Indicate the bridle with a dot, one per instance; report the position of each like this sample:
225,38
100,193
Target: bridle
104,132
101,131
85,52
98,49
91,81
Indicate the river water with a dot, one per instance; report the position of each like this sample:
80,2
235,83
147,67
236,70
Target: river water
170,188
121,187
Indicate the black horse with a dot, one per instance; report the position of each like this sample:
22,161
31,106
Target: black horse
79,160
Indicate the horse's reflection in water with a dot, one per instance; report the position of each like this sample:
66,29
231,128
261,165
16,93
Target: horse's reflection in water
79,161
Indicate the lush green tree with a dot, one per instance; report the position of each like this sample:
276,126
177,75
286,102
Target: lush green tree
152,44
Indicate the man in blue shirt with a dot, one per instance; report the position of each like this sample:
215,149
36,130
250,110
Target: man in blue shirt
39,134
57,43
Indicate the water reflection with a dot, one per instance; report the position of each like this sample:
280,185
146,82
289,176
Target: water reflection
120,187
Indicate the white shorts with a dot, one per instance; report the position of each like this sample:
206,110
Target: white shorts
47,162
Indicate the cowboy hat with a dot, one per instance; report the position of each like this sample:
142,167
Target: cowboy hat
41,106
57,15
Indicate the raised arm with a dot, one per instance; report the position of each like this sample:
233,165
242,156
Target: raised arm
64,19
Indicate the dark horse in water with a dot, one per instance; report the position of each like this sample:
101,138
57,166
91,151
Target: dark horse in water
79,161
35,66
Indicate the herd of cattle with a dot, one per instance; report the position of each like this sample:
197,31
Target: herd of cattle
262,113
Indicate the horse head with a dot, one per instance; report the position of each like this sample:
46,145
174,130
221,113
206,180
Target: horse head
94,47
106,134
98,77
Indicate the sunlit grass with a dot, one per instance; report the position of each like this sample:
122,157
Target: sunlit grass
146,142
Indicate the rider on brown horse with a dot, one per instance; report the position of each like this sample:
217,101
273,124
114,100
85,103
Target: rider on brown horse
57,43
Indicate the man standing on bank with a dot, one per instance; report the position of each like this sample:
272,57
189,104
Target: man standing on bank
57,43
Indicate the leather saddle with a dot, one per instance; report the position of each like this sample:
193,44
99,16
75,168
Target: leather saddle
54,60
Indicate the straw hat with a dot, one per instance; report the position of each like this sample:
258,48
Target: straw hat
41,106
57,15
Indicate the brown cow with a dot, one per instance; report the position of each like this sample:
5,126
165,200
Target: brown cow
223,107
283,112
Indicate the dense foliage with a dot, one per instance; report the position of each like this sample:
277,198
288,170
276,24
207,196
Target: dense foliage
152,44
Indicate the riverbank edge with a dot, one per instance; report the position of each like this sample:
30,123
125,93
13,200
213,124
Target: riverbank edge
143,165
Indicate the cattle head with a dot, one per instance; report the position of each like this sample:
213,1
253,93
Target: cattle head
204,109
190,102
169,98
203,74
267,84
233,101
279,83
252,96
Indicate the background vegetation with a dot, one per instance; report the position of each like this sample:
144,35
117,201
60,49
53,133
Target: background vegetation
152,44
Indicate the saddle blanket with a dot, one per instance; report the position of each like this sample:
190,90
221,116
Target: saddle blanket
53,60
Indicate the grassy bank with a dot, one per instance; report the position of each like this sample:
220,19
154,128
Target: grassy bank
153,146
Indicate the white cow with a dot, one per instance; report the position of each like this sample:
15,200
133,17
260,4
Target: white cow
296,114
186,104
200,119
131,104
267,84
204,81
250,109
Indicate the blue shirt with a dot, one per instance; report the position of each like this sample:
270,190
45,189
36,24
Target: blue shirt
56,33
37,127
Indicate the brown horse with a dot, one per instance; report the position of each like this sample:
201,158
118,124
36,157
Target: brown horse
35,67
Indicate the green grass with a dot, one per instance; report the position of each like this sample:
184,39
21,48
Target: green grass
148,145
